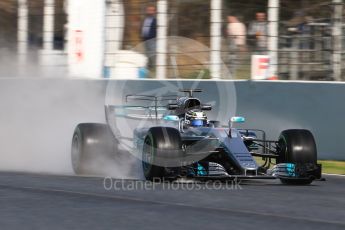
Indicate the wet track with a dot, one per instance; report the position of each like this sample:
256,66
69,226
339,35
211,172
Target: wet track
66,202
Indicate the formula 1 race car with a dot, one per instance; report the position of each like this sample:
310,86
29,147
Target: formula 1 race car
183,142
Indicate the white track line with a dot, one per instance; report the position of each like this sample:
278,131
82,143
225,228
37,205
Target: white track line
329,174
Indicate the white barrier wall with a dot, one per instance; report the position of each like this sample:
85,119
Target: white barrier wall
275,106
38,116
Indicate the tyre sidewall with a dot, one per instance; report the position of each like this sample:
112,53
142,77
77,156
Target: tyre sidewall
166,146
95,142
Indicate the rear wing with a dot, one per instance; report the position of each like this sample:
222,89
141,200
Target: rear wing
154,111
136,97
137,112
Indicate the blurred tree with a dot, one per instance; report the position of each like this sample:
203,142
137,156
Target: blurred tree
8,23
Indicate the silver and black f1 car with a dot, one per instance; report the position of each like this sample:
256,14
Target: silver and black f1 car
183,142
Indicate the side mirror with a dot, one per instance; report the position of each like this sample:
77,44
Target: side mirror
237,120
206,107
172,106
171,118
232,121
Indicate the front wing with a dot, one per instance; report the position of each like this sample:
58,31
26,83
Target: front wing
214,171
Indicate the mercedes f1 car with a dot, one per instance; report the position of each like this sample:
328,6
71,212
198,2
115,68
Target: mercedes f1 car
183,142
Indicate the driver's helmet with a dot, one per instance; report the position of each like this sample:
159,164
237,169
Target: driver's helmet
196,118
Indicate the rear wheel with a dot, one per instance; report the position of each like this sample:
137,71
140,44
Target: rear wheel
162,146
297,146
92,147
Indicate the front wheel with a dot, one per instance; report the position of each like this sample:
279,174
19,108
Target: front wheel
162,148
297,146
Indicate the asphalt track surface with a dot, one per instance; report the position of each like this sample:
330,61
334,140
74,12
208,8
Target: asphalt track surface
29,201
